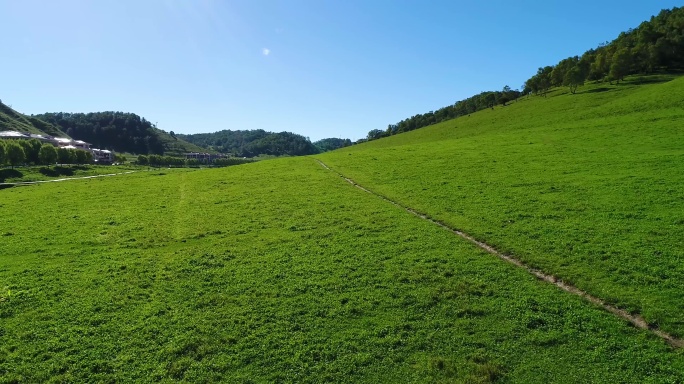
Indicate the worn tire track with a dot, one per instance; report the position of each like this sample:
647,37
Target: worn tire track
23,183
634,319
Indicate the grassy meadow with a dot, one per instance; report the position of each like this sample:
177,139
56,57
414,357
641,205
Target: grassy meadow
280,271
588,187
43,173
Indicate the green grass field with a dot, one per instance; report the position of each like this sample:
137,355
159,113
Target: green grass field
43,173
281,271
588,187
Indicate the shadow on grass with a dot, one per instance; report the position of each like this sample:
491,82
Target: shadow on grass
642,80
598,90
633,80
10,174
57,171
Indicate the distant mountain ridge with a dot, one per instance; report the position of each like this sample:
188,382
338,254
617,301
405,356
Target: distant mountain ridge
120,131
254,143
128,132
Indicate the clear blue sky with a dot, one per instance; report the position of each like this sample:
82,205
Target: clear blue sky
318,68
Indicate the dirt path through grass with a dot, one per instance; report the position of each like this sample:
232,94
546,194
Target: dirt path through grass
634,319
21,183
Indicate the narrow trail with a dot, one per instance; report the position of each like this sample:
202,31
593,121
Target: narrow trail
22,183
634,319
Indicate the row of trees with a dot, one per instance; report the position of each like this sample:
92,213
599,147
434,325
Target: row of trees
170,161
12,120
19,152
253,143
122,132
464,107
657,44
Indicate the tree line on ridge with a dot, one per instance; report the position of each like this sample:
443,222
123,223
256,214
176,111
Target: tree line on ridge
656,45
20,152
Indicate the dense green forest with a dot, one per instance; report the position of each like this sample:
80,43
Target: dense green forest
656,45
253,143
122,132
128,132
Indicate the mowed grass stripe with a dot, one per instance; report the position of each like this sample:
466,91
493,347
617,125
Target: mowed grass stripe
284,274
635,320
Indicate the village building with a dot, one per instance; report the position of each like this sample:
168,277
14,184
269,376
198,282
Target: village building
102,156
13,135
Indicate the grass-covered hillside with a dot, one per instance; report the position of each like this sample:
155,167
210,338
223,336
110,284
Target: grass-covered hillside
11,120
280,271
588,187
30,174
176,146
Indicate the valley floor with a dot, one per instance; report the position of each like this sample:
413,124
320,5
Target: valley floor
281,271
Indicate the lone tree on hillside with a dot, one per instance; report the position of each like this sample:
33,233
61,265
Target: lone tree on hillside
619,68
47,154
15,154
574,78
505,95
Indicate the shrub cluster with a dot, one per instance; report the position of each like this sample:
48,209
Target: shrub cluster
33,152
170,161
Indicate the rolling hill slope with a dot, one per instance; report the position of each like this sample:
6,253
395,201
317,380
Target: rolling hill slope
177,146
11,120
588,187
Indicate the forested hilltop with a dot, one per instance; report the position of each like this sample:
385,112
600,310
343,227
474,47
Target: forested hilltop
656,45
253,143
120,131
331,144
128,132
